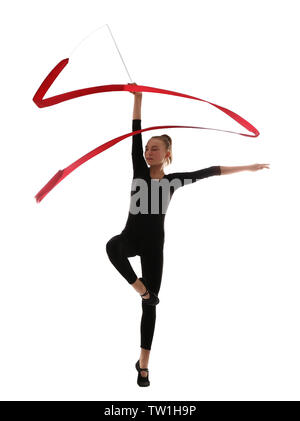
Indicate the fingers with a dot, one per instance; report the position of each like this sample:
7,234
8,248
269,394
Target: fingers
261,166
132,83
256,167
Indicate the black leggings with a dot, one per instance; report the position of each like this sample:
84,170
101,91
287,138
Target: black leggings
119,248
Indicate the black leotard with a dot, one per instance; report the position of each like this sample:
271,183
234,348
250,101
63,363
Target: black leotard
151,225
143,234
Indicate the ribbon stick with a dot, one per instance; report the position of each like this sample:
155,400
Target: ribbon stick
42,102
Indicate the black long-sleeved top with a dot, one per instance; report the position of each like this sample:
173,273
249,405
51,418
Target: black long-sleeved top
150,197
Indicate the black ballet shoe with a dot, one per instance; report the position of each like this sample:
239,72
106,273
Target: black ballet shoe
142,381
153,300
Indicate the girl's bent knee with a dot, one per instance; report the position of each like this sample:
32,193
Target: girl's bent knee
111,246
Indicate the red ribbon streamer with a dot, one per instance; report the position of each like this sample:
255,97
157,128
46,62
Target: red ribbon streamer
56,99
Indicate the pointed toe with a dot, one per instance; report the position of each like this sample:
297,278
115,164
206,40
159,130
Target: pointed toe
142,381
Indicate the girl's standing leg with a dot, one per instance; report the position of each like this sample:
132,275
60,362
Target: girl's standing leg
152,269
119,249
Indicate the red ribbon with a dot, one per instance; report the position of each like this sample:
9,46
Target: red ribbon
56,99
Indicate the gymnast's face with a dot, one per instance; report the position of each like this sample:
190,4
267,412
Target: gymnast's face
155,152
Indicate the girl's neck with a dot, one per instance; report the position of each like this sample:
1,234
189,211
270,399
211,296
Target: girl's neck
156,172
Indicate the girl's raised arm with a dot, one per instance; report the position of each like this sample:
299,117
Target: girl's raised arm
138,160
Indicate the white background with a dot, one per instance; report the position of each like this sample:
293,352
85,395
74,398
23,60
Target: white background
227,324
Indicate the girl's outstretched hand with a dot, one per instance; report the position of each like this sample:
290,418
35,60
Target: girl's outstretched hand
137,94
256,167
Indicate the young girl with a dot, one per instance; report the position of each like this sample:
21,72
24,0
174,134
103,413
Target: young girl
143,234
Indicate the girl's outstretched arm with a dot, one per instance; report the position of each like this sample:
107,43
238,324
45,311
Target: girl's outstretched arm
253,167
